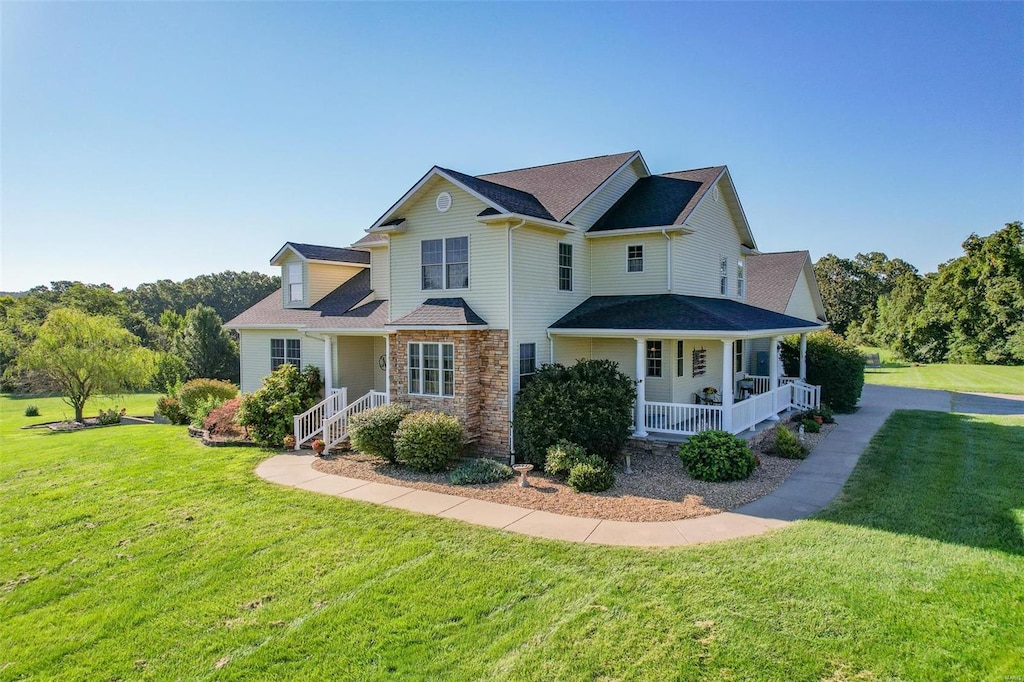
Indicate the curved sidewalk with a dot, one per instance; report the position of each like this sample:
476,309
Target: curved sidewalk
811,487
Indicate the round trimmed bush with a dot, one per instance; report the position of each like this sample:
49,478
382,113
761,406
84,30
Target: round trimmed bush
373,431
717,456
787,445
833,363
428,441
562,456
171,408
199,393
476,471
591,474
811,426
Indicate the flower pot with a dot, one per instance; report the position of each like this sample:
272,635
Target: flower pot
819,420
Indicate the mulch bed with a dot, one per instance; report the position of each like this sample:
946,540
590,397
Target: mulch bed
90,423
659,489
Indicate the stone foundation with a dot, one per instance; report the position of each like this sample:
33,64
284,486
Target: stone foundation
481,383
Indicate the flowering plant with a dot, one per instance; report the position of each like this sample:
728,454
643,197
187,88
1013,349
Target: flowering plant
319,446
710,390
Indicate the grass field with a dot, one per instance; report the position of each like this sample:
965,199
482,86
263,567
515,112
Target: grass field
972,378
135,553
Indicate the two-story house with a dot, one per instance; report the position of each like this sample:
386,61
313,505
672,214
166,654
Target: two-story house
465,286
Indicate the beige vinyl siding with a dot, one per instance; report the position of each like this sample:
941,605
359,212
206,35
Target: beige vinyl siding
685,386
379,375
286,302
321,279
608,266
569,349
380,277
537,301
696,256
355,363
254,354
487,254
622,351
593,208
801,303
659,389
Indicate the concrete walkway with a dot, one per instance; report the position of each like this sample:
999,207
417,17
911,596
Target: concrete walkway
811,487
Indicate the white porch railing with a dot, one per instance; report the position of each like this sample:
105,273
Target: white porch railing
805,396
760,384
336,426
310,423
682,418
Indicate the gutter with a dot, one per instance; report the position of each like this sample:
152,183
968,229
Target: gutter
511,435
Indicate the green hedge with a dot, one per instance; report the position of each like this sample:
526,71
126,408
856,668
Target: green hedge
196,396
428,441
717,456
373,431
833,363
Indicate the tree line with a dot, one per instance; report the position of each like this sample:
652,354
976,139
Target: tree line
970,311
179,322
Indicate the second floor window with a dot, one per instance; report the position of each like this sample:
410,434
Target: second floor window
654,358
635,258
444,263
527,363
723,276
432,369
285,351
741,279
294,282
564,267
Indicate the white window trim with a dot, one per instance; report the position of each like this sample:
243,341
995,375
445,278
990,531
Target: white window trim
572,267
440,369
660,359
284,359
444,263
643,258
293,281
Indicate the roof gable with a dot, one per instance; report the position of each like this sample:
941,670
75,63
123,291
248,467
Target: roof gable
314,252
771,278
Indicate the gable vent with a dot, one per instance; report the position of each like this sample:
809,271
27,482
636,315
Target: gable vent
444,202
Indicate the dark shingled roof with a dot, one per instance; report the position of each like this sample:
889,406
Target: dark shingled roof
512,200
771,278
331,253
333,311
561,187
441,312
666,199
675,312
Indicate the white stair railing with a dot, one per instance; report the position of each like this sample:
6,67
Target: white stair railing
335,427
310,423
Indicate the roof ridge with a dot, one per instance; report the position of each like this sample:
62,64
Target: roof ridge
780,253
556,163
691,170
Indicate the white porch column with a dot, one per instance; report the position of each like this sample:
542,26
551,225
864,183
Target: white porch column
728,379
803,357
387,366
328,365
639,421
773,375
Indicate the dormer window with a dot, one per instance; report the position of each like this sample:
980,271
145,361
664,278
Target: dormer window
294,282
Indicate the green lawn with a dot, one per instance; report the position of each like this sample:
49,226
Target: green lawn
975,378
135,553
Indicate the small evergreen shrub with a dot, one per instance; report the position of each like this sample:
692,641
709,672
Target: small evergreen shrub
590,403
196,394
562,456
203,409
717,456
31,411
268,412
811,426
223,420
591,474
428,441
171,408
373,431
787,445
475,471
833,363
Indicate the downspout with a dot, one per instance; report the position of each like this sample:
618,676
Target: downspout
551,347
512,457
668,268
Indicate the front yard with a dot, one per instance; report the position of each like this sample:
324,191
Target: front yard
136,553
945,377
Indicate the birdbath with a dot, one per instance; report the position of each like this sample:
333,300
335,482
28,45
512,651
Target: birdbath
522,470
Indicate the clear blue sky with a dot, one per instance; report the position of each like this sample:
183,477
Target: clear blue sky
163,140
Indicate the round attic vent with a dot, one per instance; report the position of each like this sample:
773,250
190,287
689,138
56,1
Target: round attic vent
444,202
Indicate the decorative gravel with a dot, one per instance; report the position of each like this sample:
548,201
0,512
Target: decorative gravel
659,489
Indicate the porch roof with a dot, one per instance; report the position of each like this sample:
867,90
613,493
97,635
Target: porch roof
677,313
441,312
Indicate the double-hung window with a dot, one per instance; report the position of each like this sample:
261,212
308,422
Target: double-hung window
564,267
654,358
285,351
294,282
432,369
527,363
741,278
635,258
444,263
723,274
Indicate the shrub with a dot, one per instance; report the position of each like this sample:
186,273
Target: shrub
170,372
171,408
562,456
203,409
373,431
474,471
223,420
717,456
196,394
811,426
832,363
428,441
111,416
591,474
285,393
590,403
31,411
787,445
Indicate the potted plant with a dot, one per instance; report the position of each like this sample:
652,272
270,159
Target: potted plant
318,447
709,392
747,383
289,442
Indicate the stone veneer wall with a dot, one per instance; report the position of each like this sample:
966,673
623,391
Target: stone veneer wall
481,383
